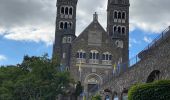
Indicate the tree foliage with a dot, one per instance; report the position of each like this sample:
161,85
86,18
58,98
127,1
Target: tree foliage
159,90
36,78
96,97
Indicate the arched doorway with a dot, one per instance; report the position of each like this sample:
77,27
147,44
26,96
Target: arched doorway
92,82
154,75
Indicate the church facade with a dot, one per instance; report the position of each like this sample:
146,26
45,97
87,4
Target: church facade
92,56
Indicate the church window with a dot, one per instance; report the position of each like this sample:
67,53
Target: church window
123,15
66,10
65,25
90,55
71,11
64,40
110,57
119,15
61,25
62,10
115,14
84,55
69,40
114,29
106,56
119,29
123,31
103,56
94,55
81,54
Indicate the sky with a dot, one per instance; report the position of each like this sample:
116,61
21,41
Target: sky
27,27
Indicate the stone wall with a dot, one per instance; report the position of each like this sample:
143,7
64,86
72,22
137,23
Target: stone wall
156,59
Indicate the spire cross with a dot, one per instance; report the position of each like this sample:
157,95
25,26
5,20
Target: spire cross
95,16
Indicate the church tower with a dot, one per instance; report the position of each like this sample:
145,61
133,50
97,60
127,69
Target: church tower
118,27
65,30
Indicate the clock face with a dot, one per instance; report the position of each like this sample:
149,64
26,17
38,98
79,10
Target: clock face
119,43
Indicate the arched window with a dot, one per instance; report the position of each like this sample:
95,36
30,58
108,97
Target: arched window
123,30
62,10
71,11
61,25
65,25
106,56
119,15
81,54
119,30
94,54
64,40
69,39
123,15
114,29
115,14
66,10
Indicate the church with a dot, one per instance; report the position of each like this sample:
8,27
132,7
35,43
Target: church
92,57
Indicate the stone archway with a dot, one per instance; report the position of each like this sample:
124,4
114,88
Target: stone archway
92,83
154,75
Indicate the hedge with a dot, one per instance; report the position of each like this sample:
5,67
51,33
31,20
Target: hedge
159,90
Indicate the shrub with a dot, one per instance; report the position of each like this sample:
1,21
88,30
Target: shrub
96,97
159,90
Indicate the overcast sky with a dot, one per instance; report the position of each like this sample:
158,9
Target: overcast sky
33,21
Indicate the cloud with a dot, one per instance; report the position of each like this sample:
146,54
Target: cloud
147,39
2,58
38,34
28,20
150,15
34,20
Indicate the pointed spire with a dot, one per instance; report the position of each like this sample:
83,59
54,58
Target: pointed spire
95,16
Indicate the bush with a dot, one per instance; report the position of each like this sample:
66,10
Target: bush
159,90
96,97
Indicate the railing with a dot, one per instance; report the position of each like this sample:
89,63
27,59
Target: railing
165,34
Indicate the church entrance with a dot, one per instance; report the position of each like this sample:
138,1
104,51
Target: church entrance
92,83
93,87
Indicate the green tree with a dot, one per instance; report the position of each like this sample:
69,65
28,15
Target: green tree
35,78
